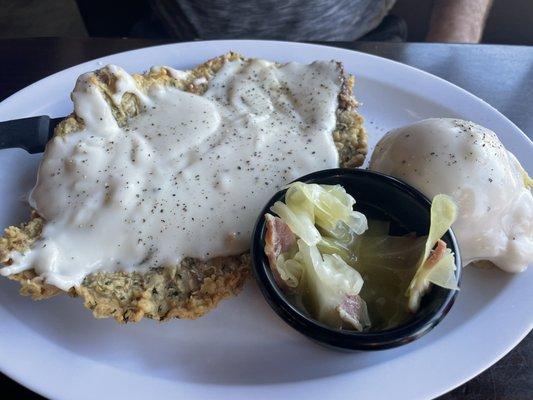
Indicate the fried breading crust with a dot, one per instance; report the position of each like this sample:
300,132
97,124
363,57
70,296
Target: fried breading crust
194,287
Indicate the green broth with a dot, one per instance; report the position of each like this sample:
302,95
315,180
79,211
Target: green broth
387,264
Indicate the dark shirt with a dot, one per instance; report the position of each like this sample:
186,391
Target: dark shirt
270,19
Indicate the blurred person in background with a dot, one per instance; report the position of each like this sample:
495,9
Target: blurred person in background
460,21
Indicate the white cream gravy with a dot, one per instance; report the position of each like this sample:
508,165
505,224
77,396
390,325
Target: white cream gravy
187,177
468,162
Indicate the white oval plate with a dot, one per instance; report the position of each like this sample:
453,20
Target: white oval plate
242,350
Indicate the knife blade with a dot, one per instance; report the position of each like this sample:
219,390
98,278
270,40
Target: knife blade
30,134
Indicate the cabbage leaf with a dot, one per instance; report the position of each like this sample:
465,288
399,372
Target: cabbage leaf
443,215
330,284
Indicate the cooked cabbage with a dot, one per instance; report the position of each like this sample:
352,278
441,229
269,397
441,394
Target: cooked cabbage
443,215
328,282
299,221
337,250
329,245
323,219
290,271
328,207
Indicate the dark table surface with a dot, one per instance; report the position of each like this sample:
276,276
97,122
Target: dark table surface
500,75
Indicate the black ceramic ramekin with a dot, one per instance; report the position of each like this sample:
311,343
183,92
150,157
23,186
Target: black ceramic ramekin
376,194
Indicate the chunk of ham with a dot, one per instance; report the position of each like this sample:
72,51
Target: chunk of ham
353,312
436,254
422,286
278,239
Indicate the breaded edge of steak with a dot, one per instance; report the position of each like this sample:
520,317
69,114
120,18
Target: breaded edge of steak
193,287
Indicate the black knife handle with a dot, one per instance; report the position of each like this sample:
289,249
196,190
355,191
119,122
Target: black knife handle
30,134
